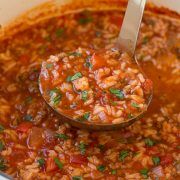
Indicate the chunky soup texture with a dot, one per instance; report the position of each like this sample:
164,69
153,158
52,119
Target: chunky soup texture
34,144
104,87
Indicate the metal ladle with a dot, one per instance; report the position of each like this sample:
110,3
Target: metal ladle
127,42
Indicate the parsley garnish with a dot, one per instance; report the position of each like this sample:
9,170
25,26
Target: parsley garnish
1,128
55,96
144,172
74,77
123,154
58,163
82,147
149,142
133,104
101,168
59,32
156,160
84,95
84,117
62,136
2,164
113,171
118,93
85,20
145,40
76,54
41,162
28,117
1,145
77,177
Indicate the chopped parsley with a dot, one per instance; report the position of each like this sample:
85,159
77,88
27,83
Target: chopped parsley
149,142
144,172
113,103
118,93
156,160
76,54
2,164
135,105
41,162
123,154
62,136
85,20
84,95
145,40
59,32
58,163
130,116
113,171
55,96
86,116
101,168
82,147
49,65
74,77
88,64
28,117
77,178
1,145
1,128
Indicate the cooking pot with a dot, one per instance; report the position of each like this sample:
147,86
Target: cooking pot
28,12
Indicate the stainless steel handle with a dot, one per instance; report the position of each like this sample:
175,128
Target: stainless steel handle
130,27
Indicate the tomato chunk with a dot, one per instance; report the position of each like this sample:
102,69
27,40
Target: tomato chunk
166,160
50,165
78,159
97,61
24,127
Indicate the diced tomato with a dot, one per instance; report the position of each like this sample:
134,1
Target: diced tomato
117,20
166,160
24,127
147,85
97,61
50,165
78,159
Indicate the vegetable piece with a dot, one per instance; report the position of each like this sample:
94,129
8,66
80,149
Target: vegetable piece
78,159
84,117
166,160
74,77
135,105
76,54
85,20
123,154
77,178
1,145
118,93
28,100
50,165
24,127
144,172
145,40
158,171
41,162
97,61
82,147
113,171
58,163
55,96
28,117
2,164
84,95
101,168
156,160
1,128
147,85
49,65
149,142
59,32
62,136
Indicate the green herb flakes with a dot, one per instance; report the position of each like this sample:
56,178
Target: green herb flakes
84,95
144,172
2,164
118,93
123,154
28,117
82,147
145,40
1,145
149,142
101,168
58,163
85,20
55,96
1,128
77,178
135,105
156,160
62,136
59,32
41,162
113,171
74,77
86,116
76,54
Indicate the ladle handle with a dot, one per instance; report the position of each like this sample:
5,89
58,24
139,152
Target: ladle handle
130,27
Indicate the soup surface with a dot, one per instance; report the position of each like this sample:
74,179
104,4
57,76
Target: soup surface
34,144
